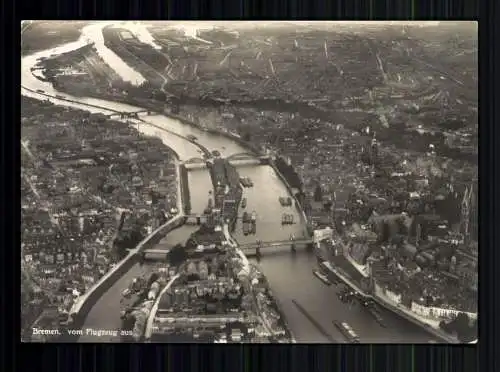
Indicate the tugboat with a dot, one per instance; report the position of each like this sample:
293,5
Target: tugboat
347,331
322,277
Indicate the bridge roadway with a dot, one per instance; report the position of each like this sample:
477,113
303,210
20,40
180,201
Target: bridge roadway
277,243
201,164
290,276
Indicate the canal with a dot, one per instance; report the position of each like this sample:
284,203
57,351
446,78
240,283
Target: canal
290,276
200,184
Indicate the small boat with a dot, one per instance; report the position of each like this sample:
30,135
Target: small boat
378,318
321,277
246,228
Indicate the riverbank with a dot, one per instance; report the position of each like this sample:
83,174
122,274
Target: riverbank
85,302
386,304
298,206
149,325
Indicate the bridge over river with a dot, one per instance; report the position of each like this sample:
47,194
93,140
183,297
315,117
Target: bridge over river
276,243
130,115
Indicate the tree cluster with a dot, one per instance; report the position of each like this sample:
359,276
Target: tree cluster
177,255
128,238
461,326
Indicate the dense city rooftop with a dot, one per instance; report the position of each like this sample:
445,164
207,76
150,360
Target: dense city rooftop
91,188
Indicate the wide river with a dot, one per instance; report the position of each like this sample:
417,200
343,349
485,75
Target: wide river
290,276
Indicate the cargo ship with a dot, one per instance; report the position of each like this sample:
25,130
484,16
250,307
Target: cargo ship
246,182
253,223
285,202
246,228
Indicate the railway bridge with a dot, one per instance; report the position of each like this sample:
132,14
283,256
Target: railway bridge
130,115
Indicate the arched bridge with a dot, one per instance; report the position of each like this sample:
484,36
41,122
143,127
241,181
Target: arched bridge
243,155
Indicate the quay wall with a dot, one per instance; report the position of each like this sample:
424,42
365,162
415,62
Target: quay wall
83,305
184,185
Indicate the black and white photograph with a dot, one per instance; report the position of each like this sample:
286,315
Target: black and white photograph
249,182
